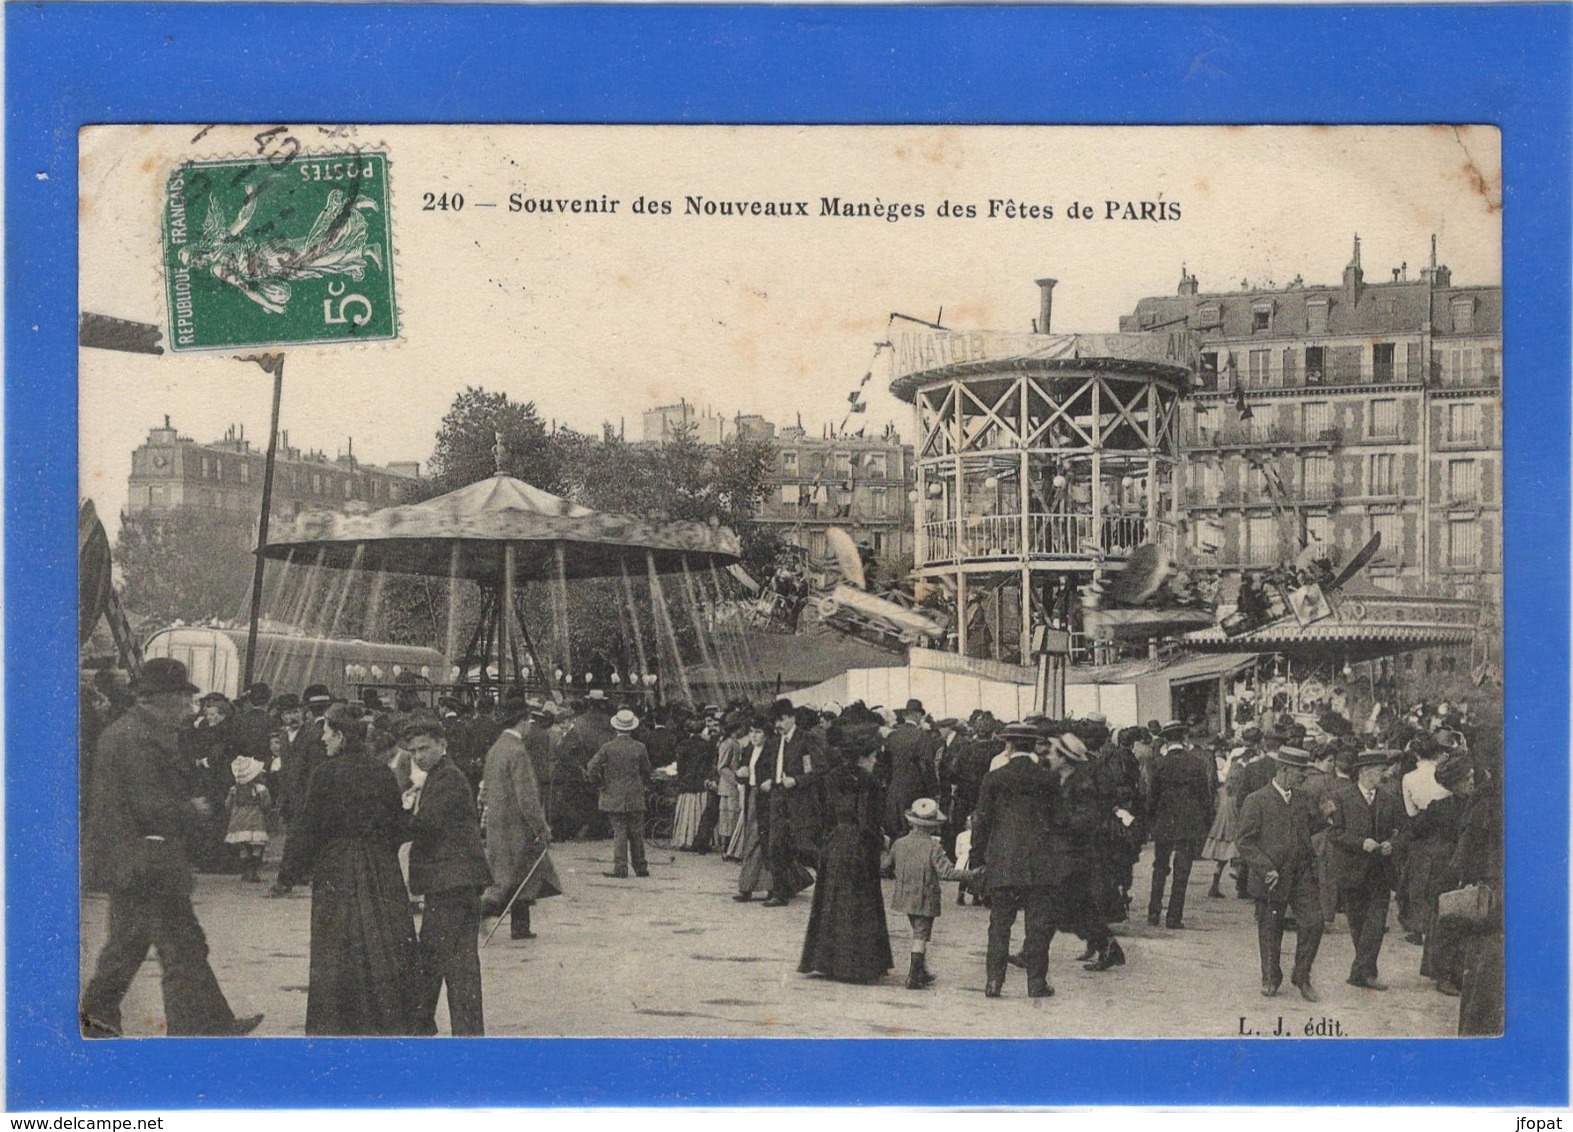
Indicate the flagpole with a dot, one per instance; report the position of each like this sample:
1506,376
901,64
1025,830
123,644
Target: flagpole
274,364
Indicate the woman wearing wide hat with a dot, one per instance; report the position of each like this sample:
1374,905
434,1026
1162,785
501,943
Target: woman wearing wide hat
847,938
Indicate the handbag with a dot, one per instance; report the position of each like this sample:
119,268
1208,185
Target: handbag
1469,907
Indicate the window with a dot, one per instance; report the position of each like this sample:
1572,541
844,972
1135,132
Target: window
1207,372
843,465
1319,530
1463,423
1382,469
1261,319
1463,307
879,501
876,465
1316,315
1261,368
245,472
1463,480
1463,542
1382,361
1261,536
207,467
1413,366
1488,365
316,483
1315,365
1290,357
1206,425
349,489
1316,477
1316,417
789,463
1384,419
1205,486
1391,528
1461,366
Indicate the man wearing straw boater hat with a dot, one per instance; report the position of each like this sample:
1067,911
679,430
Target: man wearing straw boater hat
621,768
1366,821
1274,838
141,817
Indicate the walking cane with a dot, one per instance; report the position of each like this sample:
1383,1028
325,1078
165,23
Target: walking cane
509,906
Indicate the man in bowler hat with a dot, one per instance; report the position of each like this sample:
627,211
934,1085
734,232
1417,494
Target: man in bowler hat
1011,851
141,818
1274,838
1366,822
1184,791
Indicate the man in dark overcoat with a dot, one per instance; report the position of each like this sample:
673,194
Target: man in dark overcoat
1366,822
142,816
1274,838
1184,786
1011,846
910,750
448,869
517,834
304,753
790,819
576,813
949,747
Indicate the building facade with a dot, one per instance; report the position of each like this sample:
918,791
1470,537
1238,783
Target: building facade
1333,413
860,483
172,472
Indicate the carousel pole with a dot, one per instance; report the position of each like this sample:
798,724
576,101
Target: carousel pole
274,364
505,613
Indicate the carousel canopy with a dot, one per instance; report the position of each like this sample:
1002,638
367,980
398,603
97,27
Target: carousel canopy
1366,622
463,534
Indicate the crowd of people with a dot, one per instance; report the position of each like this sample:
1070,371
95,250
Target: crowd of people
393,812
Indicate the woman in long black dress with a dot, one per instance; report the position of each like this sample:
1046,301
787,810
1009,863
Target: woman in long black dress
364,964
847,936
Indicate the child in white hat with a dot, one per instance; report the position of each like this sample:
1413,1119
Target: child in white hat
919,862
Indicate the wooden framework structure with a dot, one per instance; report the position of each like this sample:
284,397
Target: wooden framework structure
1034,474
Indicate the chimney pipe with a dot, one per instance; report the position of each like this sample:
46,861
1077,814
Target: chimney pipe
1045,304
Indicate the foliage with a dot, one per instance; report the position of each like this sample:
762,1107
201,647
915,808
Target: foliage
186,564
466,443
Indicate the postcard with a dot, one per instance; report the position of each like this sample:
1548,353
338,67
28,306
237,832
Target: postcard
791,581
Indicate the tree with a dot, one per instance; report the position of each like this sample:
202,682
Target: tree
467,441
186,564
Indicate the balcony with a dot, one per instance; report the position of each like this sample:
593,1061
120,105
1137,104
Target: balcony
981,538
1262,436
1296,495
1470,377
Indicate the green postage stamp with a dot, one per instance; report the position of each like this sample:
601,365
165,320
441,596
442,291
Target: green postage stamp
279,252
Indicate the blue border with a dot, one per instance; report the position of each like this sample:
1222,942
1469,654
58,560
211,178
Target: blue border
73,64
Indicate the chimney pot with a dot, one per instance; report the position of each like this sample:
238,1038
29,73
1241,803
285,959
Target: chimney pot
1045,304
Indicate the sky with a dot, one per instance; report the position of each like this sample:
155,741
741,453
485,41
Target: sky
596,317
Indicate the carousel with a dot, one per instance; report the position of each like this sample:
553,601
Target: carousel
503,536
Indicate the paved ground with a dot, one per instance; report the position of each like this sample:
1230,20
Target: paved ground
673,956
